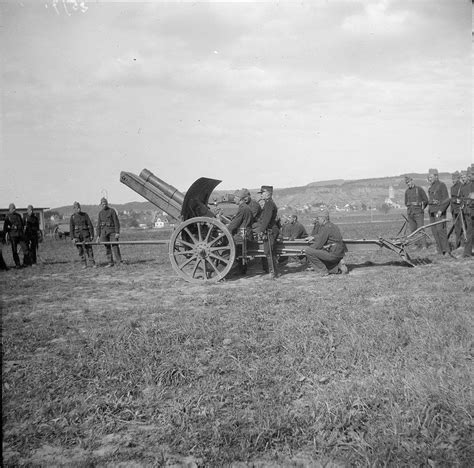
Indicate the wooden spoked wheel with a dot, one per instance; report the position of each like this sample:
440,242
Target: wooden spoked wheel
202,249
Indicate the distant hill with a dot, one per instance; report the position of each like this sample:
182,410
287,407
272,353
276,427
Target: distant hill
371,192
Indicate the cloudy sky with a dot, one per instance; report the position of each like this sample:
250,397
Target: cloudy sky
280,93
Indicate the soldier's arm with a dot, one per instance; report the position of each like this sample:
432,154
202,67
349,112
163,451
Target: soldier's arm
445,198
321,238
90,226
265,218
424,198
71,226
117,223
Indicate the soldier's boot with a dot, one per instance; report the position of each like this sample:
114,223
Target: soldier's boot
342,268
84,263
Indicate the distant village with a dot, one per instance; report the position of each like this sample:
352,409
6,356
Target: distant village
57,221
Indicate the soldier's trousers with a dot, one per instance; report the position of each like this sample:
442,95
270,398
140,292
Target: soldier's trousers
15,242
469,234
3,265
415,221
458,229
84,250
440,234
270,255
322,261
32,246
109,248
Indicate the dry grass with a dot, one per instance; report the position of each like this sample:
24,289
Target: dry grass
135,366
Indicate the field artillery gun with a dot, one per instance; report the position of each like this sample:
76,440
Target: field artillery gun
201,247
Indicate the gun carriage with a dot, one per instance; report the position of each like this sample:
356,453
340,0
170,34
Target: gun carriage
202,249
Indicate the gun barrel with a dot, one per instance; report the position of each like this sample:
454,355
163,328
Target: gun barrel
167,189
153,194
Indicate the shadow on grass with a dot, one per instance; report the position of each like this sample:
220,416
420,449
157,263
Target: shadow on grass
396,263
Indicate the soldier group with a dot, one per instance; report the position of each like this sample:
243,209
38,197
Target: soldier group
460,200
21,232
324,253
108,230
259,220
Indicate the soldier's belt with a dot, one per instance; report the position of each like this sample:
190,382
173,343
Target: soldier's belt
414,204
434,202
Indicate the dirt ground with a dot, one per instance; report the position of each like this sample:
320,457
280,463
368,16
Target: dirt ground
144,287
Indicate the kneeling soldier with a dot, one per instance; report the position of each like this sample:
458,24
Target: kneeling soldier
327,250
82,230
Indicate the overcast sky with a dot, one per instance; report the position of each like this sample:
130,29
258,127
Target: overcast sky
249,93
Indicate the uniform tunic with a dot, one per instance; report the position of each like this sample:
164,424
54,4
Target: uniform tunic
455,209
14,227
242,219
292,231
467,204
416,201
327,249
108,224
266,225
82,229
255,208
32,229
439,200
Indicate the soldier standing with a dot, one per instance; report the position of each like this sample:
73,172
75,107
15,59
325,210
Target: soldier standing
82,230
327,249
14,227
266,229
416,201
108,228
241,225
467,207
455,207
438,200
32,232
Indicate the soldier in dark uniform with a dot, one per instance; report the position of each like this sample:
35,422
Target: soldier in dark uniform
416,201
241,225
293,229
82,230
13,229
467,207
243,219
438,201
32,233
108,228
455,208
3,265
327,250
253,205
266,229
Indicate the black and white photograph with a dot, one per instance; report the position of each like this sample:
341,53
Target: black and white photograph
237,233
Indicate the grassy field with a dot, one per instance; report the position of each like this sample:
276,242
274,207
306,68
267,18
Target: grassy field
132,366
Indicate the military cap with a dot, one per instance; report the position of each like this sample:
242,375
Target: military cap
322,212
433,171
103,199
463,173
76,204
456,174
408,178
242,193
266,188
